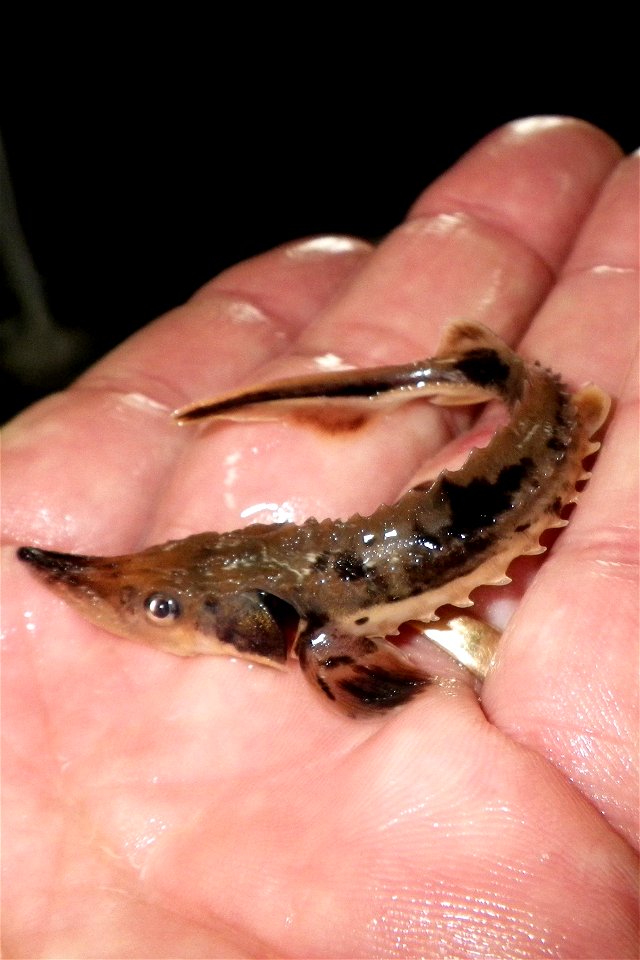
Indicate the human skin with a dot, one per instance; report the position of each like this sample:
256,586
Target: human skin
163,807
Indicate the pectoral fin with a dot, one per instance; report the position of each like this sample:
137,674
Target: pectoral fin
361,676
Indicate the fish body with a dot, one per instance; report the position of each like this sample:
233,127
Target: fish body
331,592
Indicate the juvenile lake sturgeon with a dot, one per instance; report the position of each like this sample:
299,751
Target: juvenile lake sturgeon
331,592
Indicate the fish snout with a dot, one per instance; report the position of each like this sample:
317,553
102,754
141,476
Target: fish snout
54,566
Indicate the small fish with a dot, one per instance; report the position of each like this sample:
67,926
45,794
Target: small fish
332,592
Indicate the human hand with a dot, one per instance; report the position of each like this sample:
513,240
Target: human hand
164,807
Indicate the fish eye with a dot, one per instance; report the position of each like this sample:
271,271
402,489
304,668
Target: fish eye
162,608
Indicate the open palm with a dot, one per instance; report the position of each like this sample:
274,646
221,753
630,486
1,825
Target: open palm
159,807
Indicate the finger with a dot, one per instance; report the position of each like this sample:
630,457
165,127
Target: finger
481,243
510,171
563,683
235,323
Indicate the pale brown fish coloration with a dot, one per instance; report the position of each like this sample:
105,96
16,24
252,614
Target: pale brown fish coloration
331,592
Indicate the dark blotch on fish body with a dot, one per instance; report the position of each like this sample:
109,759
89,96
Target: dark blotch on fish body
479,503
349,567
485,368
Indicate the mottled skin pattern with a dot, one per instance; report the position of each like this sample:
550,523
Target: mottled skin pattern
331,591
